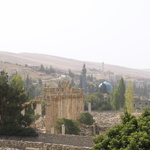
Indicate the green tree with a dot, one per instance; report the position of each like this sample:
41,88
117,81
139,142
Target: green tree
86,118
72,83
71,126
118,96
116,99
129,97
97,101
13,99
31,89
40,82
121,90
71,74
16,96
42,68
131,134
4,86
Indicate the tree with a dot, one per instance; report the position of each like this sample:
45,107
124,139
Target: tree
14,99
131,134
42,68
86,118
71,74
129,98
40,82
3,95
97,101
72,83
116,99
121,90
31,89
71,126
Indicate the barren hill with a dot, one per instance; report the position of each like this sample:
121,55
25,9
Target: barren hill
34,59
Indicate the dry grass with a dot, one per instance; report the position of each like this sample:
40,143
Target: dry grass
66,64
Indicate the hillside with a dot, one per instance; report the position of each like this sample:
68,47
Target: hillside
33,59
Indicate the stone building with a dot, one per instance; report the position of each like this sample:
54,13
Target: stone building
141,103
64,102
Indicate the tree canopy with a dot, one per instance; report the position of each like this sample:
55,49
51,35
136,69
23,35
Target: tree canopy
129,97
132,134
13,100
118,98
86,118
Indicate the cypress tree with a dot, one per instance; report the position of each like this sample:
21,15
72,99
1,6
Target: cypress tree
129,99
121,90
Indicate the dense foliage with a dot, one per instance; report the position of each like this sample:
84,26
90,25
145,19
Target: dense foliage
86,118
47,70
13,100
33,89
129,98
71,126
98,102
132,134
118,98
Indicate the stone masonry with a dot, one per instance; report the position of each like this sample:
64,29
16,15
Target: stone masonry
28,145
65,102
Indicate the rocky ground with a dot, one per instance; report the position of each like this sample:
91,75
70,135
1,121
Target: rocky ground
107,119
7,148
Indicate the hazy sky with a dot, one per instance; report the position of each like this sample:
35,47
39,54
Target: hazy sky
111,31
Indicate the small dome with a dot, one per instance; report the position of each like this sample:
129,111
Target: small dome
105,87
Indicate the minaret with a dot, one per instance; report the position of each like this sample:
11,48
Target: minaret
84,85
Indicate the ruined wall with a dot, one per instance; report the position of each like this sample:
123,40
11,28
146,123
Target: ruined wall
64,102
141,103
38,110
75,140
26,145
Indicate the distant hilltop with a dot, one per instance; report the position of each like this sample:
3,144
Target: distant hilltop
34,59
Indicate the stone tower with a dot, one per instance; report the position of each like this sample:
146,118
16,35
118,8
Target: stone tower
83,80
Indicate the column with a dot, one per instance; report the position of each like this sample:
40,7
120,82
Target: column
89,107
63,129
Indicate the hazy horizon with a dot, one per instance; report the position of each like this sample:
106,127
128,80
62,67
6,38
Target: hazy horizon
114,32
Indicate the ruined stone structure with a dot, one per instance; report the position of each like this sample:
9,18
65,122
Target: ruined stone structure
65,102
38,109
141,103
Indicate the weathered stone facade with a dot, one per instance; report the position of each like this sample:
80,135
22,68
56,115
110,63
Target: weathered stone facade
38,110
65,102
141,103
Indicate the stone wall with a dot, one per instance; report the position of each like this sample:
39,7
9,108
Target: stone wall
28,145
141,103
74,140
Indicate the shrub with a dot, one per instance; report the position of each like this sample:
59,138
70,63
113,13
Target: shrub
86,118
71,126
